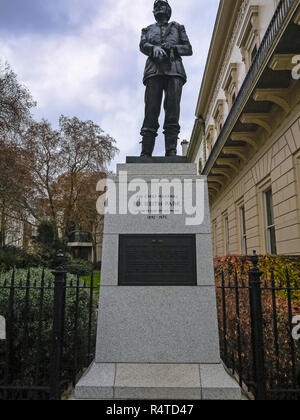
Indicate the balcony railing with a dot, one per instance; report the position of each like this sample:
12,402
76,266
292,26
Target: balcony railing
280,15
80,237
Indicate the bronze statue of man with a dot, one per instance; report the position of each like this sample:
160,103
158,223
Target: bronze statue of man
164,43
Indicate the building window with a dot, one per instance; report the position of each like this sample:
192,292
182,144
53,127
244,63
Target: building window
297,164
243,231
270,223
215,237
200,166
218,116
226,235
230,85
249,39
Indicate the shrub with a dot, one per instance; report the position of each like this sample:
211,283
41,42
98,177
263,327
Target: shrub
80,267
47,243
279,265
278,358
28,345
17,257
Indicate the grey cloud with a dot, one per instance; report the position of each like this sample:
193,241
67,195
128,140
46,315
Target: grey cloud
81,57
44,16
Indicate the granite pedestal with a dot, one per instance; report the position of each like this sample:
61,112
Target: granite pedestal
157,342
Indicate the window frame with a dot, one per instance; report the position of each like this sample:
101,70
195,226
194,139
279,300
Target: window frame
209,139
230,85
226,234
297,178
249,37
270,228
200,165
215,236
219,115
243,230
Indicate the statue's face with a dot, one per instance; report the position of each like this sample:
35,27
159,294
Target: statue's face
161,10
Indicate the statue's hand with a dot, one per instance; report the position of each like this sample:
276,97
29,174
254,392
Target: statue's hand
158,52
167,46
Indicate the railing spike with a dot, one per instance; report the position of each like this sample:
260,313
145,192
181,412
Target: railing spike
92,279
28,278
43,279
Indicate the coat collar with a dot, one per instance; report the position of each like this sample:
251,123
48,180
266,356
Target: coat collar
169,27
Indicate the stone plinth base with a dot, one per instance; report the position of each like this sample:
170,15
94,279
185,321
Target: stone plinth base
158,342
118,381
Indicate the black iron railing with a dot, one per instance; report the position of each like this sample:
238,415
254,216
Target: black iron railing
50,333
51,326
256,331
80,237
267,42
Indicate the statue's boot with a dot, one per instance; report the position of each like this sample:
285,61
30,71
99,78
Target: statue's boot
147,146
171,145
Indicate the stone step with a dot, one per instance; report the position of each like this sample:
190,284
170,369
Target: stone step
122,381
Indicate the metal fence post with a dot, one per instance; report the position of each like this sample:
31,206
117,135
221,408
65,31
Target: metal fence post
257,328
58,322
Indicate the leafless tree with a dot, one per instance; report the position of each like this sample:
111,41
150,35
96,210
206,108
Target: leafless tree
15,105
63,163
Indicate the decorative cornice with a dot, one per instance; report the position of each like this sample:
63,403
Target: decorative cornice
232,44
281,18
210,131
231,75
251,20
198,130
219,108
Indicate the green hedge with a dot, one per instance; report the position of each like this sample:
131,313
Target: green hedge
80,267
25,337
17,257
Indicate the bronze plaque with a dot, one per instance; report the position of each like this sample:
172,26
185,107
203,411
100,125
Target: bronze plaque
157,260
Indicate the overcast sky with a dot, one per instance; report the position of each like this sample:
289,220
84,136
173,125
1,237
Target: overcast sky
81,58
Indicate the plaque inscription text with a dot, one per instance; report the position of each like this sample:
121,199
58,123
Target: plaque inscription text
157,260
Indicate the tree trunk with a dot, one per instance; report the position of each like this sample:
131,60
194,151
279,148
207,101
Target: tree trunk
2,228
94,244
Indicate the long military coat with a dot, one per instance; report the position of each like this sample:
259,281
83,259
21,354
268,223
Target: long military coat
156,35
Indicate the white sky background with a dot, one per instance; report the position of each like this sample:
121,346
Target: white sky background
81,58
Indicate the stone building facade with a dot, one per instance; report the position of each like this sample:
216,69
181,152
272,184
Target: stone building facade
246,137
